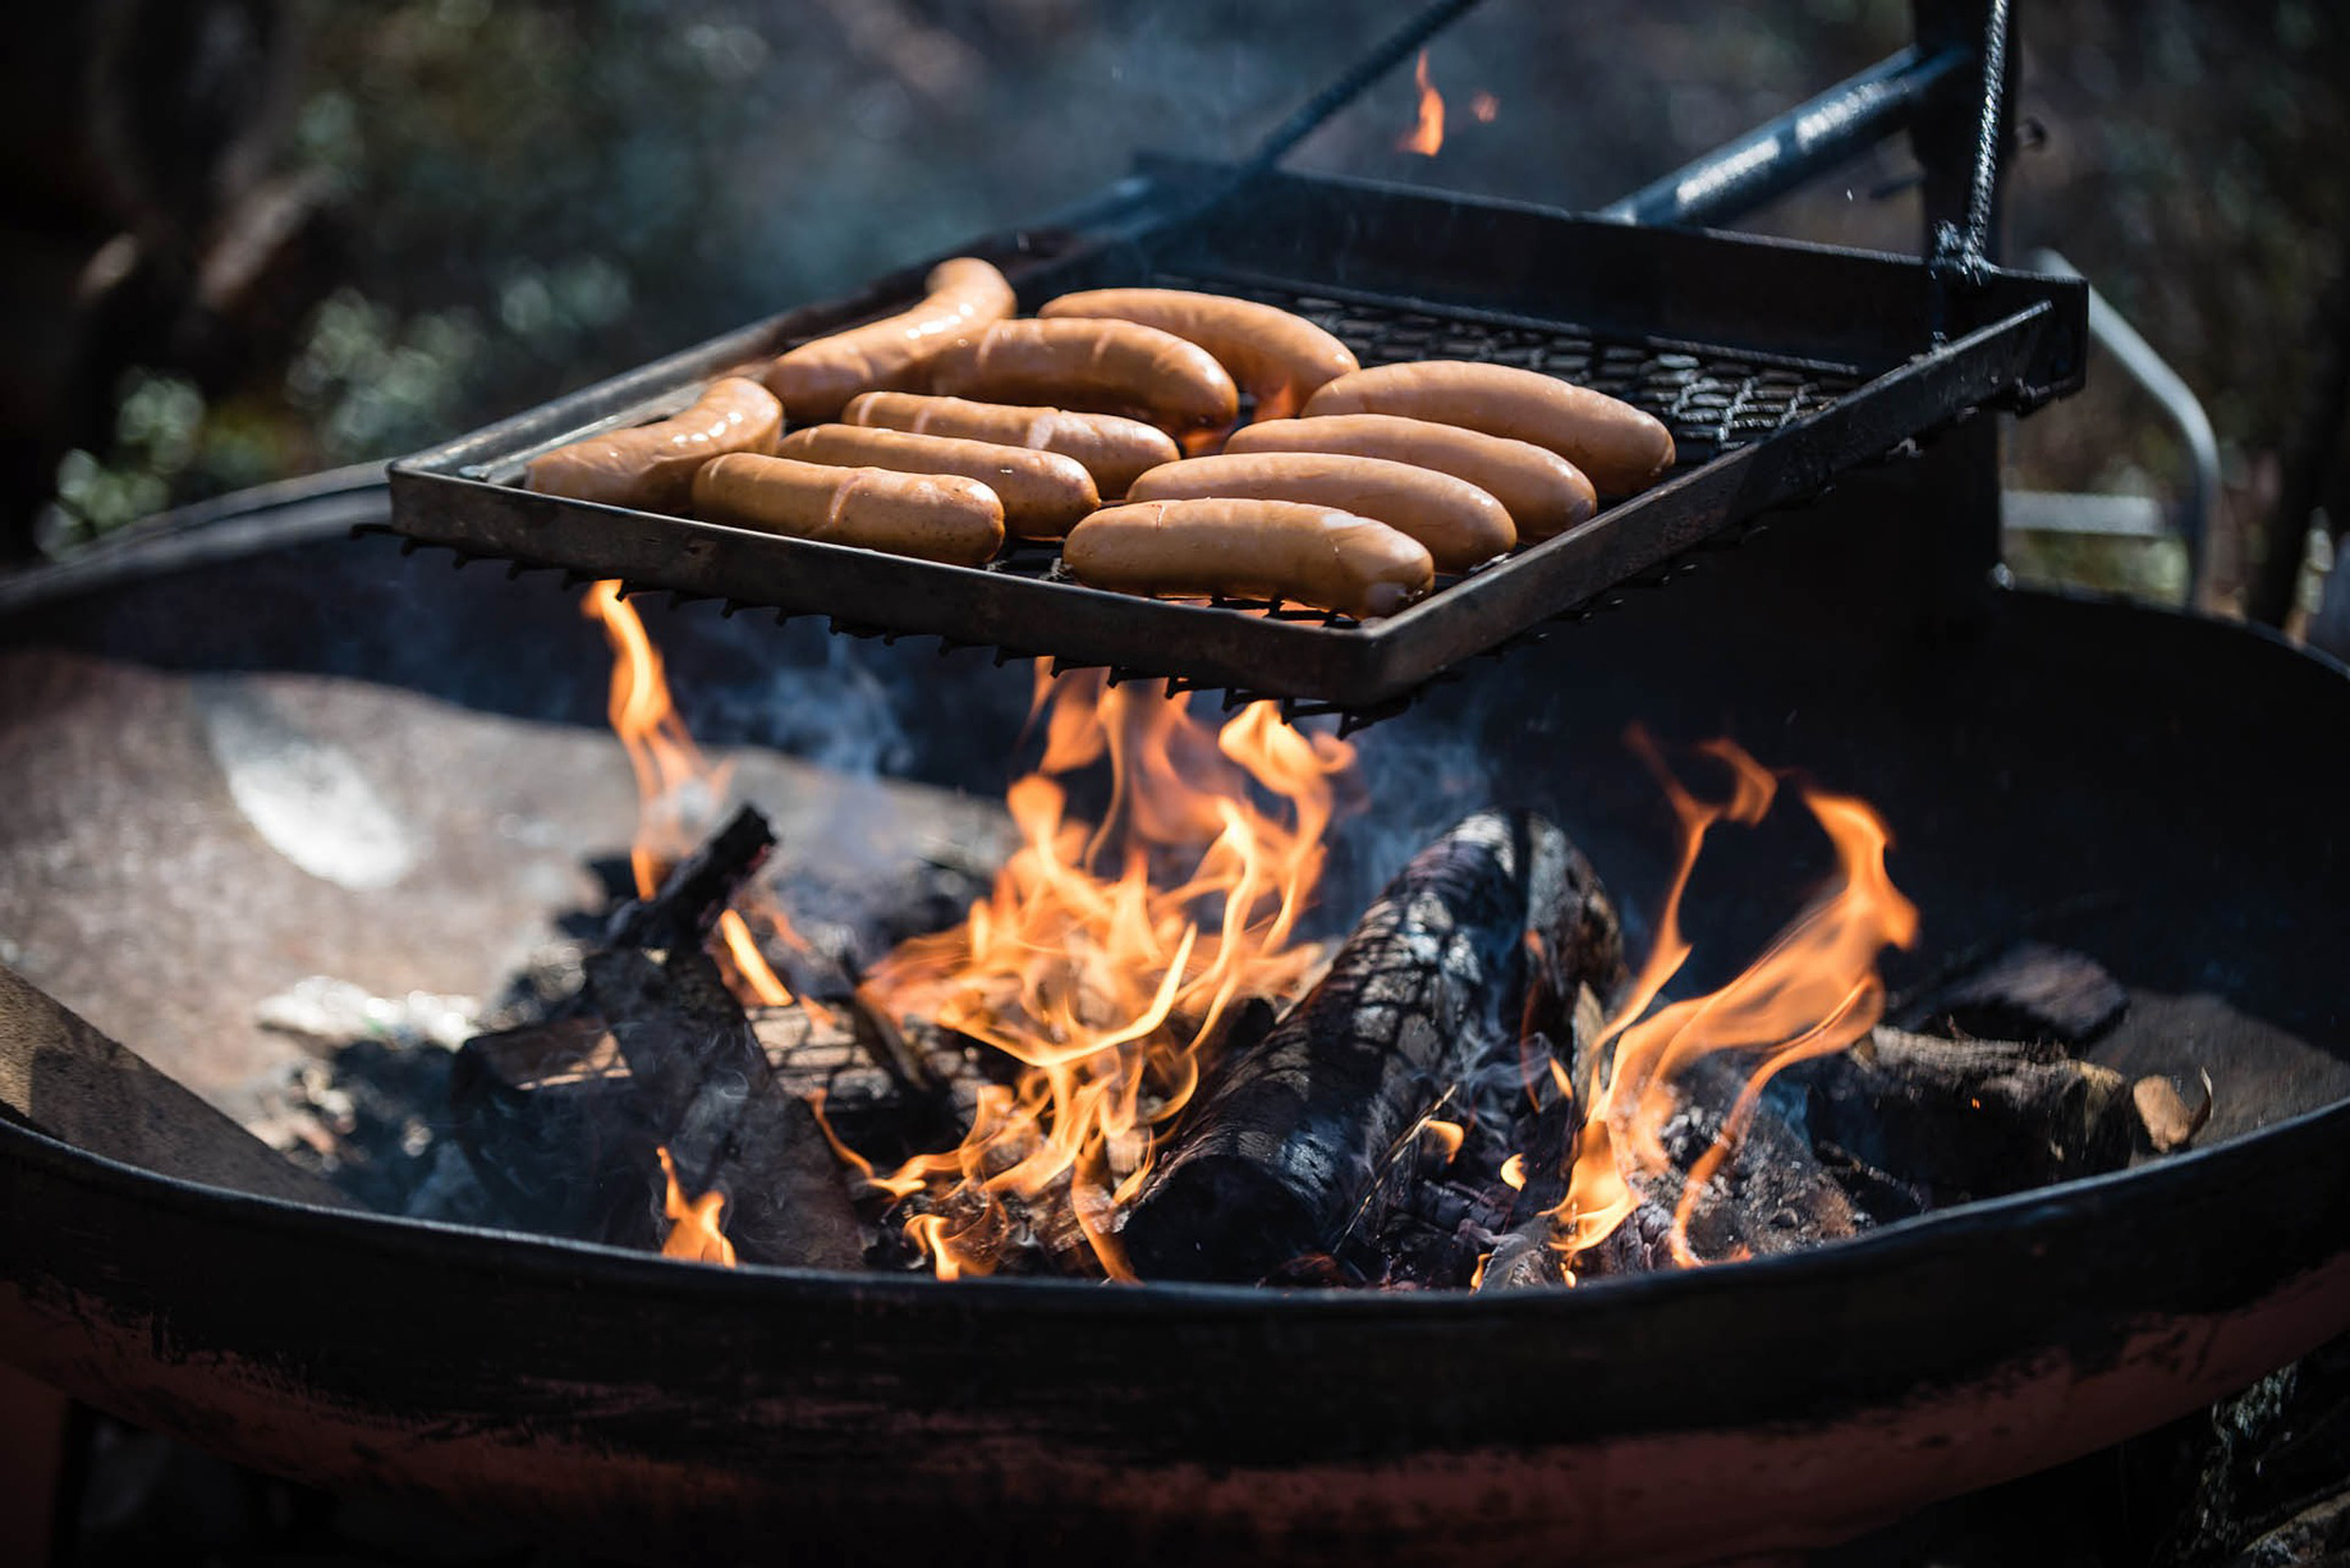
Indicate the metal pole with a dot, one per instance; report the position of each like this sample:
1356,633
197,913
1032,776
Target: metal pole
1807,141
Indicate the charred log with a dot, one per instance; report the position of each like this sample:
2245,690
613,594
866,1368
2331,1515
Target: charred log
1975,1118
695,891
548,1117
1289,1141
1524,1255
563,1120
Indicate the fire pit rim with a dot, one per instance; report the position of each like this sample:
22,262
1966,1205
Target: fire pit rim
1889,1244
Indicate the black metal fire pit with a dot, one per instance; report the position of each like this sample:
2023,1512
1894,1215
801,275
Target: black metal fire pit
2158,792
2035,749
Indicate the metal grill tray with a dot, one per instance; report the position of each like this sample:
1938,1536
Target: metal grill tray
1709,332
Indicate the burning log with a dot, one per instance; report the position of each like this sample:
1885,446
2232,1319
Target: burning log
565,1118
696,890
706,1086
1285,1150
548,1119
1975,1118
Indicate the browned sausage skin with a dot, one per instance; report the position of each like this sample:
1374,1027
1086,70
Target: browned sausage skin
815,380
1623,449
651,466
1459,523
1543,493
1112,449
1043,493
1277,549
939,517
1280,358
1105,367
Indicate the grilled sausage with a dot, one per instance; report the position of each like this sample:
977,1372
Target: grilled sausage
1280,358
1275,549
1543,493
652,466
1044,494
1106,366
1459,523
1112,449
816,378
1622,449
940,517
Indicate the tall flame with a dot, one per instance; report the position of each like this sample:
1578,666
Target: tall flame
1106,955
1812,992
678,791
1426,136
693,1232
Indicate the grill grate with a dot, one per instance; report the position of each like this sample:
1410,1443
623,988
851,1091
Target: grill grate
1712,403
1677,318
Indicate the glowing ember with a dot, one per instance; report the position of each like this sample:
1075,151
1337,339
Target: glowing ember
1483,106
693,1232
1106,957
678,791
1427,137
1814,990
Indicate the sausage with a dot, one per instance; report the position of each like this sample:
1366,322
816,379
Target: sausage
816,378
1543,493
940,517
1266,549
1043,493
1113,450
651,467
1459,523
1280,358
1622,449
1105,367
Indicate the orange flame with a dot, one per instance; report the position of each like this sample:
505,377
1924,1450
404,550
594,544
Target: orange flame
678,790
1106,957
693,1233
1448,1136
1812,992
1427,137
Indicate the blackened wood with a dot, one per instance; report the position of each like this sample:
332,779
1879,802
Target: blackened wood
1524,1255
1279,1155
1772,1195
549,1118
2034,992
696,891
1973,1118
706,1087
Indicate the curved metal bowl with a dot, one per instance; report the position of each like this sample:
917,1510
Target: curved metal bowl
656,1410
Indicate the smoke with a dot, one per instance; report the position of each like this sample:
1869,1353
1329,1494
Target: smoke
835,712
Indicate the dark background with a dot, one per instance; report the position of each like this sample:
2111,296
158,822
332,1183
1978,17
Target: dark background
243,239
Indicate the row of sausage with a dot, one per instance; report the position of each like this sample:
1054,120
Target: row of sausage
940,431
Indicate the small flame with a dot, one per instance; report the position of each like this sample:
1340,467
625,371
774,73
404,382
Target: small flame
1513,1173
1483,106
1814,990
1448,1136
1108,955
693,1233
678,790
1427,137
